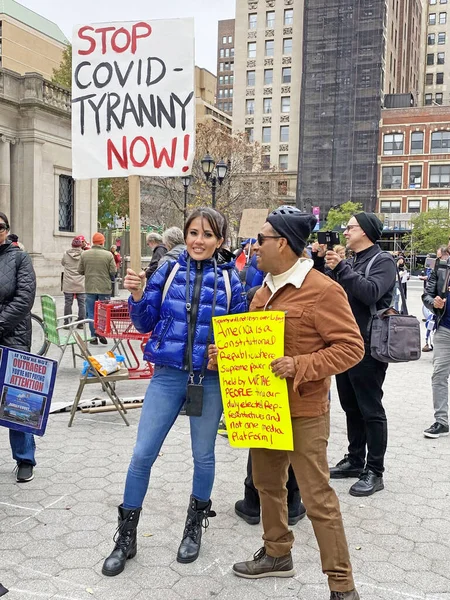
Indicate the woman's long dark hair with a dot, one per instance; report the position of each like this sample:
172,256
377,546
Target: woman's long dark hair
215,219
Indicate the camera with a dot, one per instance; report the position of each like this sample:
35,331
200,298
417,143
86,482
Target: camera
330,238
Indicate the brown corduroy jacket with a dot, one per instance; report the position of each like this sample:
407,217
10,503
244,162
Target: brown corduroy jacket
321,335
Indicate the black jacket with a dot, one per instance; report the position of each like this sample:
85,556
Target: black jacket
17,292
158,253
437,285
361,292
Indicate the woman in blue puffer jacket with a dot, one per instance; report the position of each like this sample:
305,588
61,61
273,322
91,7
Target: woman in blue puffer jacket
177,305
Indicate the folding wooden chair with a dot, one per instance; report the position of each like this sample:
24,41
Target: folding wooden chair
93,376
61,335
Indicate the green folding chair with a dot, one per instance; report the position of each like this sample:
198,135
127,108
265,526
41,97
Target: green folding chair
62,335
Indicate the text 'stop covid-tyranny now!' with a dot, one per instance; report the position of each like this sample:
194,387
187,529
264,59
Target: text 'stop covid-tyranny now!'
133,101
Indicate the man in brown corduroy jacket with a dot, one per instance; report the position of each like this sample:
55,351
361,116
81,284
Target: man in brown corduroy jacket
321,339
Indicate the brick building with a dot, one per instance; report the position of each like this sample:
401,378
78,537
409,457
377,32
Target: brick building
225,65
414,160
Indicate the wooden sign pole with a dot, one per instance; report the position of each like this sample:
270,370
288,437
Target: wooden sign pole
134,194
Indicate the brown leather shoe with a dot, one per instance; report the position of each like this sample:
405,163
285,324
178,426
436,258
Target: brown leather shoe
264,565
352,595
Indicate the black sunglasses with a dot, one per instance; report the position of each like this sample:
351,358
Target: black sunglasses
3,227
261,238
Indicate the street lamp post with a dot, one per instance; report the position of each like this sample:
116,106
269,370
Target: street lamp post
186,180
214,172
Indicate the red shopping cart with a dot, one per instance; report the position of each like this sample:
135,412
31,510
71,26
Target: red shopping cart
112,320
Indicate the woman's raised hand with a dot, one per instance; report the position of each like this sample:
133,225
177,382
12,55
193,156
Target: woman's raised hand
134,283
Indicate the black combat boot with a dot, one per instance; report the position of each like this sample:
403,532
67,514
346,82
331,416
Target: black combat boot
197,517
125,539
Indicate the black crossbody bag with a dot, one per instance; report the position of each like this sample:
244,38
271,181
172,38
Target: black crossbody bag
194,391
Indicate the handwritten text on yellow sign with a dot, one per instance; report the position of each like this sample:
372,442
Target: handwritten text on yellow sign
255,402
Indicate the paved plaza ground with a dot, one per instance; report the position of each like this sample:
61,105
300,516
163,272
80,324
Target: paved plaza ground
57,529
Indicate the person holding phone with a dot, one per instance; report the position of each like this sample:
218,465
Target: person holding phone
177,306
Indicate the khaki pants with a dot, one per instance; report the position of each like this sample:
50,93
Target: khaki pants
309,461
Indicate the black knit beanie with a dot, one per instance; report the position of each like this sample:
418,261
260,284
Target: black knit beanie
293,225
370,224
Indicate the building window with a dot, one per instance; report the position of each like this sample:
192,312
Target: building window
439,176
439,98
231,92
226,79
282,188
231,79
284,133
250,133
441,38
221,80
432,2
230,39
232,52
417,142
250,107
439,78
428,99
227,52
252,21
267,106
224,39
391,178
442,204
393,143
414,206
431,39
440,142
442,18
66,203
432,19
265,162
268,76
285,104
251,78
283,162
430,59
251,50
442,1
270,18
440,58
221,66
266,135
269,47
286,75
220,105
221,53
390,207
287,46
429,79
415,176
225,92
289,16
220,93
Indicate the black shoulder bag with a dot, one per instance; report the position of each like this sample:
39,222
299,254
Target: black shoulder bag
194,391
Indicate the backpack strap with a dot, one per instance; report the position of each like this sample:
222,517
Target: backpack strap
169,280
373,307
226,279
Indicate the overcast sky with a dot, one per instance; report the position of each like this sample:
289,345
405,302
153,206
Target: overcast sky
205,12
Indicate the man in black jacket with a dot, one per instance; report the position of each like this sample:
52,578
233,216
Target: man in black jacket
154,241
360,388
436,299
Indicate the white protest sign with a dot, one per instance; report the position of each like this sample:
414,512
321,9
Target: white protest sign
133,99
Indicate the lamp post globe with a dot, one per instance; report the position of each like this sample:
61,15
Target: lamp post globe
208,165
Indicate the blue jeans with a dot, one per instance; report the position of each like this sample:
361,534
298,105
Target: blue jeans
22,446
163,400
90,305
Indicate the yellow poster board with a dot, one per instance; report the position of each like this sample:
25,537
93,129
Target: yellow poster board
255,402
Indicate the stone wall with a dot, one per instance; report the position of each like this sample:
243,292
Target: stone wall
35,149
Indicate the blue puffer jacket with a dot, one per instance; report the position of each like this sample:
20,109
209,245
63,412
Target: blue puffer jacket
168,322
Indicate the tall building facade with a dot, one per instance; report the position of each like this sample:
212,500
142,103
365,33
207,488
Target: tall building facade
205,93
436,83
353,54
267,77
225,65
29,43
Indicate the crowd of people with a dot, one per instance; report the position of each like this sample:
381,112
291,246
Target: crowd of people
193,277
